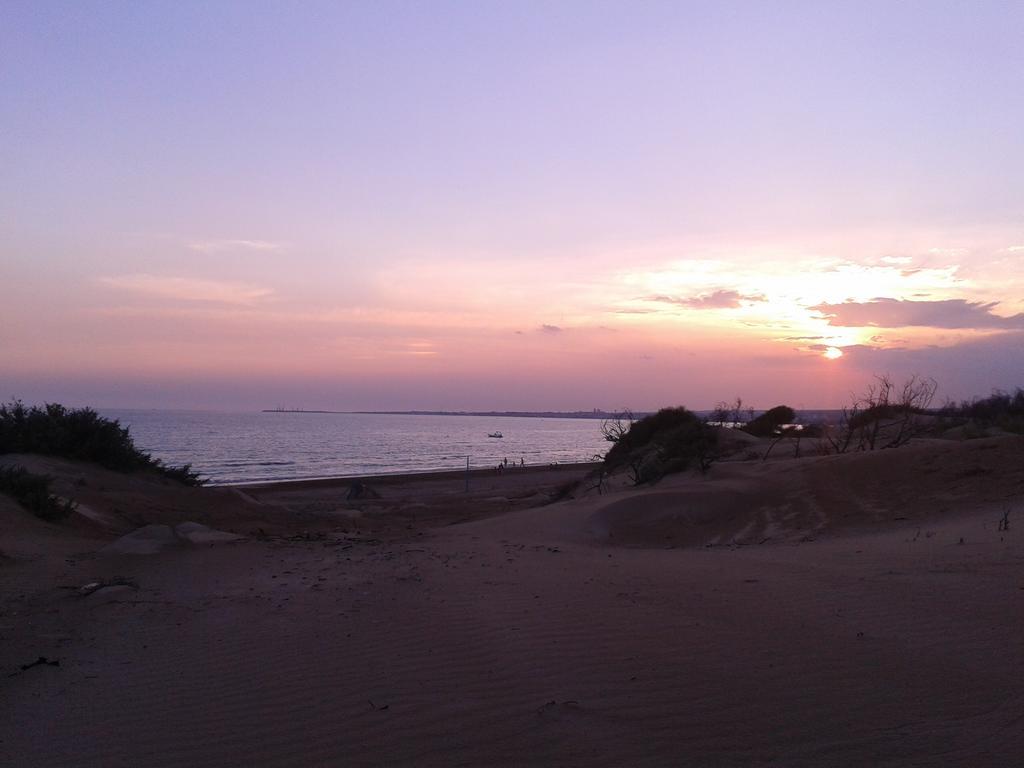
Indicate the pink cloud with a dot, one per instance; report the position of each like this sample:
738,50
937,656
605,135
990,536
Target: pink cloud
720,299
189,289
897,313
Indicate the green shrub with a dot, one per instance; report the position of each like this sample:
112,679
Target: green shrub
33,492
671,440
81,434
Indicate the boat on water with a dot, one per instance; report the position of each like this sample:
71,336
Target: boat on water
495,434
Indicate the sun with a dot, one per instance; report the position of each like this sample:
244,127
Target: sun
832,353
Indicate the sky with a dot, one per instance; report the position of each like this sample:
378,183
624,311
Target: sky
511,206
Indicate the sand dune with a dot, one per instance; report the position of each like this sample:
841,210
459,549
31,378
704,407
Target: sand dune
879,623
798,499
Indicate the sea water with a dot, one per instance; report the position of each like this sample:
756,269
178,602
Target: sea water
230,448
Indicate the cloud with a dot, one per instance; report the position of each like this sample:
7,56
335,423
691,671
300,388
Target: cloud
545,328
720,299
418,348
188,289
972,368
881,340
900,313
216,246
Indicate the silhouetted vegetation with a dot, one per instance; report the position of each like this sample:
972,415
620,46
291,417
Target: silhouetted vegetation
615,428
731,414
671,440
32,491
81,434
769,423
885,416
1000,409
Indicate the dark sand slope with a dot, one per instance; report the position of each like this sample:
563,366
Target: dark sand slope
566,634
797,500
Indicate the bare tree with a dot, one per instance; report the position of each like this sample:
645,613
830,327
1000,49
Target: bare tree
731,414
615,428
791,432
885,416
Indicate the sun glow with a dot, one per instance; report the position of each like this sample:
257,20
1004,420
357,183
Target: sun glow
832,353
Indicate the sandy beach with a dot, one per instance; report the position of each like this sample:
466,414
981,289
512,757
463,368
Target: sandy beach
501,384
825,611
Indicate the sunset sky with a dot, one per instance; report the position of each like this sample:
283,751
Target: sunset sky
511,205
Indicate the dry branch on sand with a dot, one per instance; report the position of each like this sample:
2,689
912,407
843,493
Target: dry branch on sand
886,415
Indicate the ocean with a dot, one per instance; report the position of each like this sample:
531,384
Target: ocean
228,448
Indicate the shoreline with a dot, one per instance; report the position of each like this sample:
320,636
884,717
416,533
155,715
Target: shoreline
401,478
396,478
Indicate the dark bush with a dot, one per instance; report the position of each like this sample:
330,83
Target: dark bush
770,422
671,440
33,492
1000,409
81,434
183,474
876,413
